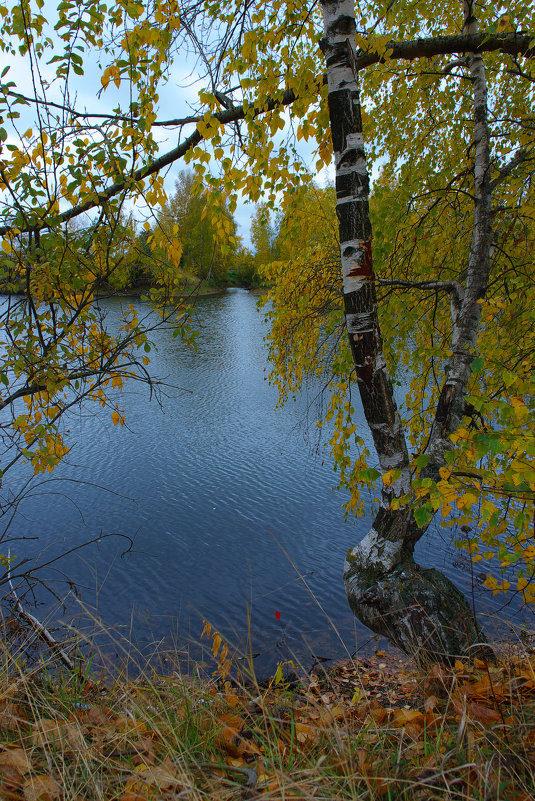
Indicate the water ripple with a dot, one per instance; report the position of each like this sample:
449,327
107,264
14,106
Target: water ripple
231,511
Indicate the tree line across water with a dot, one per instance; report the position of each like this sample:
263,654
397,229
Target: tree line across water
140,256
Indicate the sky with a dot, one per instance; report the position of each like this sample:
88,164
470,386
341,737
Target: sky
178,98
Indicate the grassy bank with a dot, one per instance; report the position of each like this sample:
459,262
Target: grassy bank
362,730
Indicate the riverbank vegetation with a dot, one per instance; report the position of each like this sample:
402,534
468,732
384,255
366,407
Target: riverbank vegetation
144,257
365,729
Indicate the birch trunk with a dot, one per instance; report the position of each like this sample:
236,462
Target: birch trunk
466,315
419,610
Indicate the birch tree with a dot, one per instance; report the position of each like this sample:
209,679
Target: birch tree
447,273
420,610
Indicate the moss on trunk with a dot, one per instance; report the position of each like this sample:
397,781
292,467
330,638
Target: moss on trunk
419,610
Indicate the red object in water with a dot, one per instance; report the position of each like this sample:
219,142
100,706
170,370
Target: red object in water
278,615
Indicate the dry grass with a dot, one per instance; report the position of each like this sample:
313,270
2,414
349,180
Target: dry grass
361,731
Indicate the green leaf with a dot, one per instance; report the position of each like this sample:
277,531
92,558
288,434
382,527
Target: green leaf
423,515
369,475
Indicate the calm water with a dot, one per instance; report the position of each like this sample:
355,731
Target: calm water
229,503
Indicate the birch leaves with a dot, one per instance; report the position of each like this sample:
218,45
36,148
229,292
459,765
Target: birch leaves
467,402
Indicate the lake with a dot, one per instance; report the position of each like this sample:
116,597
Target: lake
229,504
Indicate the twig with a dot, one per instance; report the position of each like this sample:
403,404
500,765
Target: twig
36,625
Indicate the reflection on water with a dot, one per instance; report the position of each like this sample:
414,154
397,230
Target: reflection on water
231,510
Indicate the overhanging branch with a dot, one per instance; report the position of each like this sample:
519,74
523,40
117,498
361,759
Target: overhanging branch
509,43
453,287
512,44
224,117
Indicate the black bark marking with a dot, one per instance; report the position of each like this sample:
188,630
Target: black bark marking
364,352
444,407
342,108
361,302
350,158
342,25
352,184
353,220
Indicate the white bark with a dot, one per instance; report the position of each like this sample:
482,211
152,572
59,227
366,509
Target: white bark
419,610
450,408
352,190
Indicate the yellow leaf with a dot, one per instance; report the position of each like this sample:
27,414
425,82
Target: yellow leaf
232,700
467,500
388,478
520,407
116,417
528,554
490,582
216,644
357,695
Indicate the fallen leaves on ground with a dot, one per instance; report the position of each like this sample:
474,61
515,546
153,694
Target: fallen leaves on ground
361,729
41,788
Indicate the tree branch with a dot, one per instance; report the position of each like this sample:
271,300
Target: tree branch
509,43
522,155
224,117
453,287
451,404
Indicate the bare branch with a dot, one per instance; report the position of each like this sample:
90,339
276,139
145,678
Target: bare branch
509,43
453,287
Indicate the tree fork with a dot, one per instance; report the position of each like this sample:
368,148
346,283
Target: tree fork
420,611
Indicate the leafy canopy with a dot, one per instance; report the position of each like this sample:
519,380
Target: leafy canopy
258,61
419,134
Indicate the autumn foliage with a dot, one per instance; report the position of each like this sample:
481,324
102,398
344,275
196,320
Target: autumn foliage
263,96
370,728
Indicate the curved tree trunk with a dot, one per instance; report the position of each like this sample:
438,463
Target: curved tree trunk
421,611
